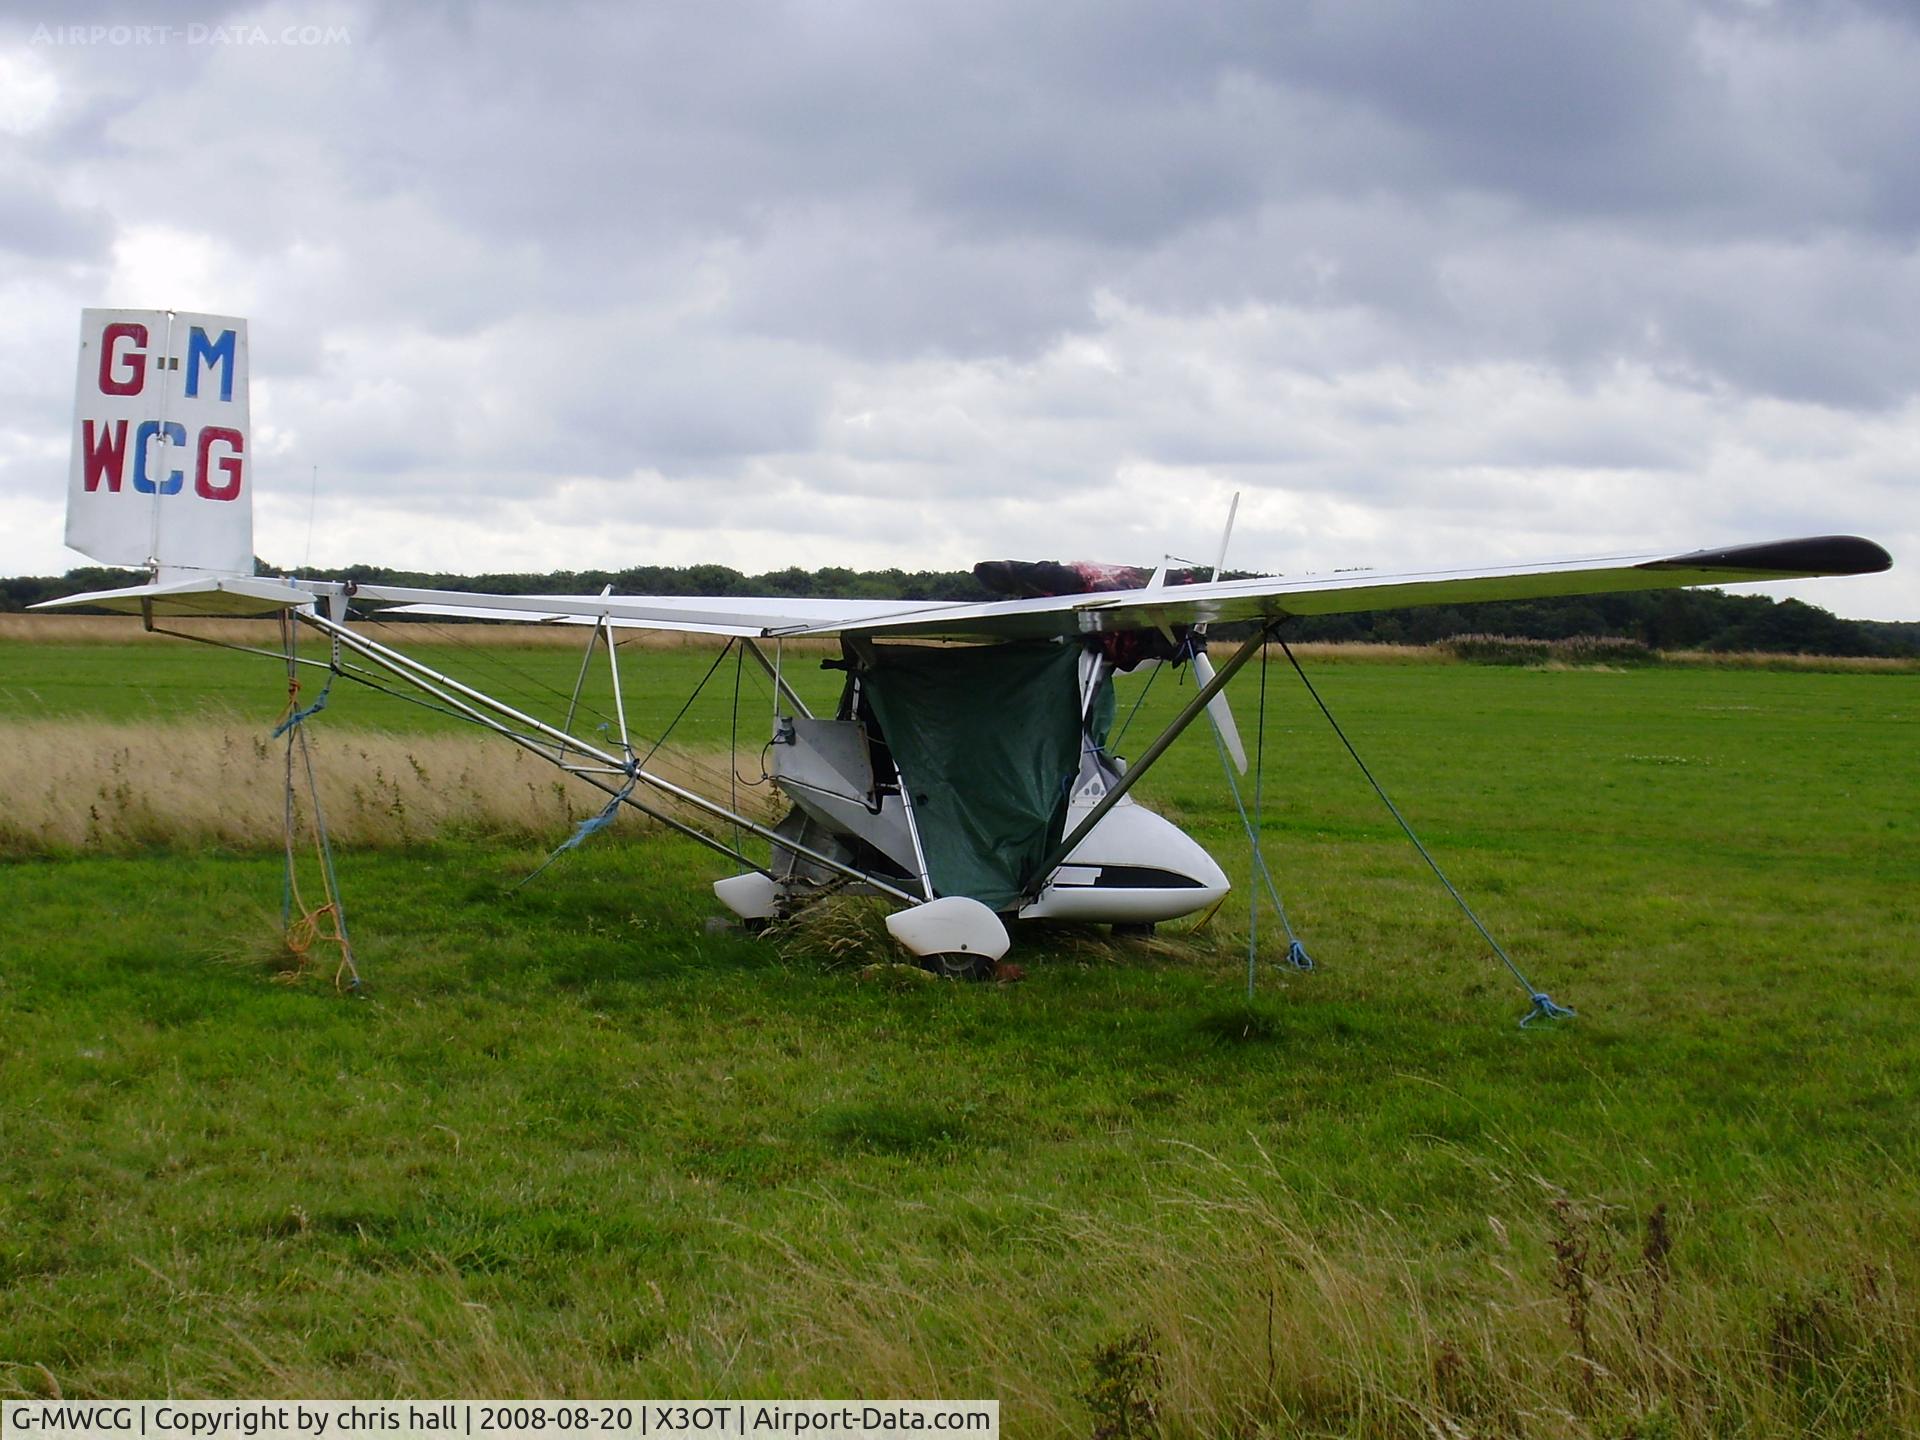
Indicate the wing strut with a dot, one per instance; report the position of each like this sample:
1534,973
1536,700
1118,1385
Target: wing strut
573,702
773,673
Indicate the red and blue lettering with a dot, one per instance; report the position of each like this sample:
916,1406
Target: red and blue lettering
114,381
103,455
201,350
176,434
229,465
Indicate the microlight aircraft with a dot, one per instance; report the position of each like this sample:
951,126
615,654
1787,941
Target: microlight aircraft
965,773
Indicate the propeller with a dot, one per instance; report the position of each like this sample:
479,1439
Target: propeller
1220,713
1218,710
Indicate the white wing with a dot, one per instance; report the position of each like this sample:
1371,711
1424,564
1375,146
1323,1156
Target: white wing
1262,598
1271,598
699,614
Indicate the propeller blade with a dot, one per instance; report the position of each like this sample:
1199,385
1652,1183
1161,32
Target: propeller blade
1221,713
1226,535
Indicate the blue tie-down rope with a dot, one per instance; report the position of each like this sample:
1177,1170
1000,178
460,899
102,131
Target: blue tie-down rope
592,825
1296,955
314,709
1544,1008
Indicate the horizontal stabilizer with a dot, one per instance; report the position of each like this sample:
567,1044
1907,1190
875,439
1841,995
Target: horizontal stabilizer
213,595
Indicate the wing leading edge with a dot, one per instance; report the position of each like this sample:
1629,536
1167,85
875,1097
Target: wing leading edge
1275,598
697,614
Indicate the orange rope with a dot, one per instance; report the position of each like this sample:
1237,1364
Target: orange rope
304,932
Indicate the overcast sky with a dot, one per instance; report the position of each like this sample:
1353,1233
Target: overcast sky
869,283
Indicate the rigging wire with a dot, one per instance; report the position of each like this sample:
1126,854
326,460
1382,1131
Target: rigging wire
1544,1006
485,656
595,823
489,656
1114,742
1296,955
686,705
360,674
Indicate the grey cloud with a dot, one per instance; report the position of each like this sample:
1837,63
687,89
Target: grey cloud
882,284
37,225
887,181
928,265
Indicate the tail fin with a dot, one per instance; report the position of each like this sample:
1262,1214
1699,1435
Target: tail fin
162,475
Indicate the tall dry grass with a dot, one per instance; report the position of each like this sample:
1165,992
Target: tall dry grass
1579,650
77,785
1238,1307
1367,651
1578,1318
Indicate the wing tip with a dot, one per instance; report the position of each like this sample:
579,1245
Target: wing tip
1813,555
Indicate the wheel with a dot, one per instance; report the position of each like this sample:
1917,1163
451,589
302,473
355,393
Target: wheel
958,965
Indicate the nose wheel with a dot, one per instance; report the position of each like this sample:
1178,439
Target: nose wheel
959,965
951,936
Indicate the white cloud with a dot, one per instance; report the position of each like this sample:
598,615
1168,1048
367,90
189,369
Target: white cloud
28,92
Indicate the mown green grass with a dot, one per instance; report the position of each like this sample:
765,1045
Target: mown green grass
572,1142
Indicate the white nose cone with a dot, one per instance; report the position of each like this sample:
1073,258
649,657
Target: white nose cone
1134,868
951,925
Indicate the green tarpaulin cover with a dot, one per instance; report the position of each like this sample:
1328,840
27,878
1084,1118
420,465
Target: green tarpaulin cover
987,738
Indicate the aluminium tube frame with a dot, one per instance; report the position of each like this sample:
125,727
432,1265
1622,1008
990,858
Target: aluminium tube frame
463,710
773,673
413,670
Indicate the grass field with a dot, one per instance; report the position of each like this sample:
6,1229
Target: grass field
571,1142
